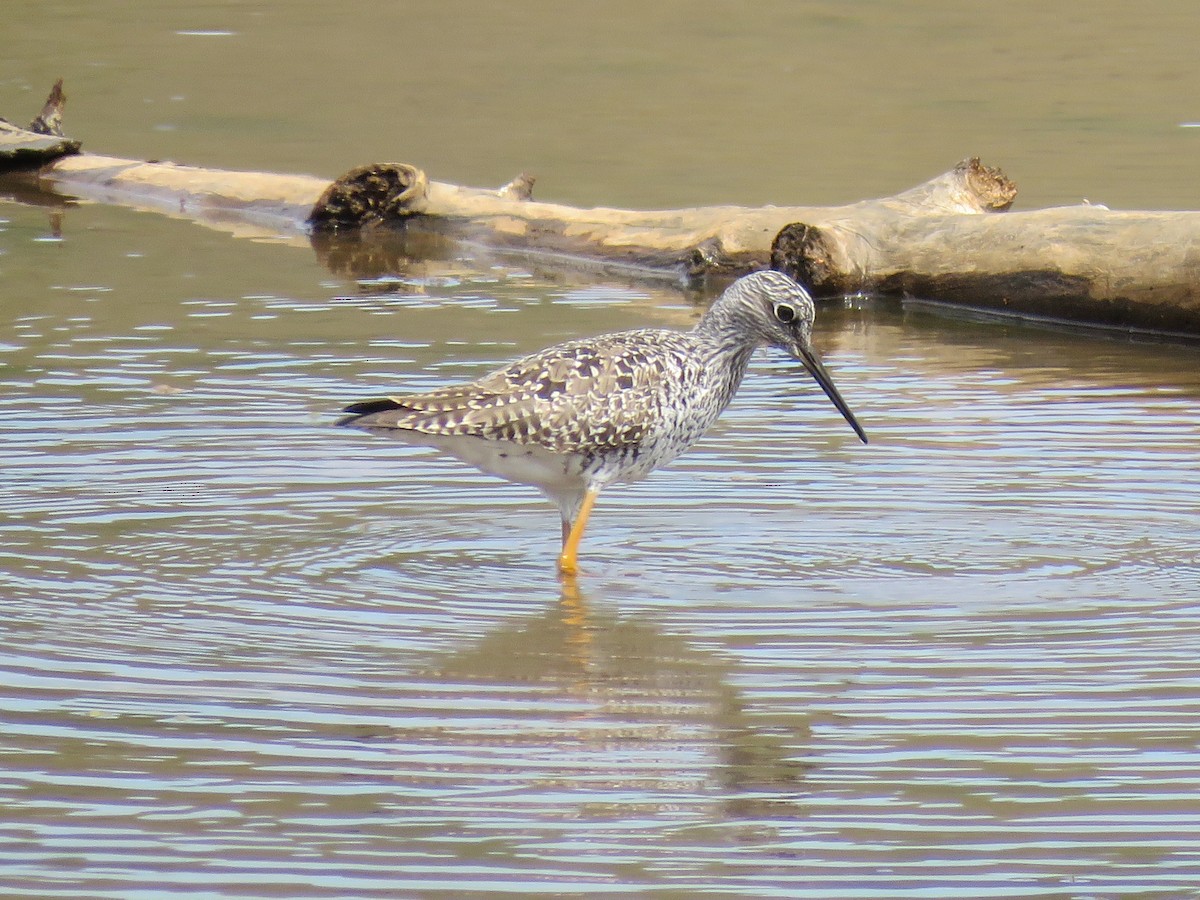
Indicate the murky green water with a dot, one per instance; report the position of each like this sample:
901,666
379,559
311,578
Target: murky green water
248,654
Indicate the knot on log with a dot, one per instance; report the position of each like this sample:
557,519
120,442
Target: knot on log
969,188
520,188
992,188
371,195
704,259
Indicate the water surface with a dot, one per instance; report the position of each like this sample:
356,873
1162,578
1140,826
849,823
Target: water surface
246,653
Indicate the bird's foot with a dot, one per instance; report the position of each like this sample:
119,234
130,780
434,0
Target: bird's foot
568,566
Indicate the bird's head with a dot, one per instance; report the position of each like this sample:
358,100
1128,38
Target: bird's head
780,312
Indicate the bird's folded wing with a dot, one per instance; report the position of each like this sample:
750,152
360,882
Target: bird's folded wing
579,396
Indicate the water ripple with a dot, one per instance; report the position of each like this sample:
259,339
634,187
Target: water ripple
247,652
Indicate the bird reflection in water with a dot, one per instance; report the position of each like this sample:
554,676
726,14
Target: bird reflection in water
635,702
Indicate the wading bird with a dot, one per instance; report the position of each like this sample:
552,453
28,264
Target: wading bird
578,416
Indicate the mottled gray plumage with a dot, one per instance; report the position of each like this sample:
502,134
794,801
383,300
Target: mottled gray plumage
580,415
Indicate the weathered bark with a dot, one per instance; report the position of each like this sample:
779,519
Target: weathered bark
951,239
270,201
695,241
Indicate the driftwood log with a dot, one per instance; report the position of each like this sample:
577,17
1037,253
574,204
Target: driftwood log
953,239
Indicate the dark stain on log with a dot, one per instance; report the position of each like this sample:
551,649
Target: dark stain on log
399,245
1051,295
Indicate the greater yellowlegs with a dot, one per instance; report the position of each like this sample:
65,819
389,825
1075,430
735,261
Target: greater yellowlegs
581,415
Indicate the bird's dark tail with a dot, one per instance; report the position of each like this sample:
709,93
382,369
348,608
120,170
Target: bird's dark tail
366,408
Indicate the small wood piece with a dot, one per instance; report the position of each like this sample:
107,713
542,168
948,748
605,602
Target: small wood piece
42,141
49,120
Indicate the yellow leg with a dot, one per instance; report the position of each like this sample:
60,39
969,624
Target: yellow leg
568,561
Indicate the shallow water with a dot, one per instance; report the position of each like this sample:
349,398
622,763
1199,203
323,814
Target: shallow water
246,653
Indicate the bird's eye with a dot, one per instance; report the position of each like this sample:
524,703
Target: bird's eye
785,313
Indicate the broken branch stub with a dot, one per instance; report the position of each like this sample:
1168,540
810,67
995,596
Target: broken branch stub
49,120
969,188
371,195
42,141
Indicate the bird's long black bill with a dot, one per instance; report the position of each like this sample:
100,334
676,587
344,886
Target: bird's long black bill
817,368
